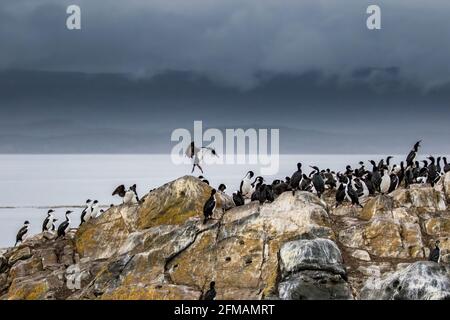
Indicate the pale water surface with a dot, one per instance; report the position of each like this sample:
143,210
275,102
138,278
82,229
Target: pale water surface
30,184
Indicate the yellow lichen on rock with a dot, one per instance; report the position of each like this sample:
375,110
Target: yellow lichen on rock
152,292
28,290
173,203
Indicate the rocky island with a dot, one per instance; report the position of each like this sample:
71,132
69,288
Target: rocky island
297,247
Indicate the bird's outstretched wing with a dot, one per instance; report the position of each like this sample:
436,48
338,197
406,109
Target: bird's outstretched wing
120,190
213,151
191,150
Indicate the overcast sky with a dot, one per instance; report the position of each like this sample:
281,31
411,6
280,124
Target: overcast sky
307,64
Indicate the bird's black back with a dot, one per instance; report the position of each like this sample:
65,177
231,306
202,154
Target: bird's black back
21,233
62,227
210,294
44,224
209,207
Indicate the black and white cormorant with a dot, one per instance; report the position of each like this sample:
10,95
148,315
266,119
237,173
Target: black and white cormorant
258,189
394,182
64,226
340,194
128,196
385,183
270,195
369,183
47,224
53,229
246,187
317,181
362,191
352,195
258,182
196,155
296,178
95,209
435,253
433,174
413,154
376,176
328,177
238,199
86,213
21,235
210,205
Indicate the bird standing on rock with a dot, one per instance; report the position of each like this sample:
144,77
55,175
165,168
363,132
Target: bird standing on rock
258,189
296,178
317,181
211,293
413,154
21,235
435,254
47,225
238,199
129,197
86,214
433,174
246,187
385,183
210,205
95,210
64,227
352,195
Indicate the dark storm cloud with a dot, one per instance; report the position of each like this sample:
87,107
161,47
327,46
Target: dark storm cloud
228,40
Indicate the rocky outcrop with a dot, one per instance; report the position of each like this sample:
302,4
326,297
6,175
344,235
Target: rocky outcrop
418,281
298,247
239,250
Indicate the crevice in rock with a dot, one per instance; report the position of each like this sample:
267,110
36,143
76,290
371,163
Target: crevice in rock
176,254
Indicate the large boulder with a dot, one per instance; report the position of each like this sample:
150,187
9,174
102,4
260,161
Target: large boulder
419,281
317,254
122,228
314,285
20,254
312,270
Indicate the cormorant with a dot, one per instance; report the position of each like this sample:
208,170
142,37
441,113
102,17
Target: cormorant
435,253
22,232
210,205
211,293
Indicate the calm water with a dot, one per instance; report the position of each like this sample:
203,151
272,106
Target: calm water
32,183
